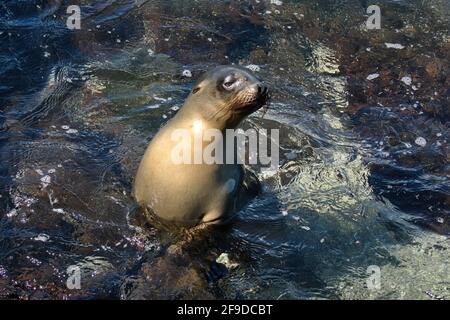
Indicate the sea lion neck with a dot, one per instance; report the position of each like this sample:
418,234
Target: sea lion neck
212,116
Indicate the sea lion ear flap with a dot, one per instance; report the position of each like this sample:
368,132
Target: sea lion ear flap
201,82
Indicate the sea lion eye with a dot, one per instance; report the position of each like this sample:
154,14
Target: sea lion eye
195,90
229,83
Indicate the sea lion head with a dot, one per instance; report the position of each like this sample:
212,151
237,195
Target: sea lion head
225,95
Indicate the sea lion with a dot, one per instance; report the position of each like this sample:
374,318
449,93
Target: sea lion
190,193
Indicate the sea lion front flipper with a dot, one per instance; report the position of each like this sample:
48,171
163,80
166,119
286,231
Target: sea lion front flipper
250,188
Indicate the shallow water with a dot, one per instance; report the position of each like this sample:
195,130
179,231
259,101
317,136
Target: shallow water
356,187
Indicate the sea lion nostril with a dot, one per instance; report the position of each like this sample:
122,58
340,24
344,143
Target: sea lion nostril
262,89
265,90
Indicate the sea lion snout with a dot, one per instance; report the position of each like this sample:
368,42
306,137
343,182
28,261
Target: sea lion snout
259,88
263,92
253,97
262,88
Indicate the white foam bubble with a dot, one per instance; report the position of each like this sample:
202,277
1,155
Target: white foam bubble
253,67
397,46
373,76
407,80
421,142
187,73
